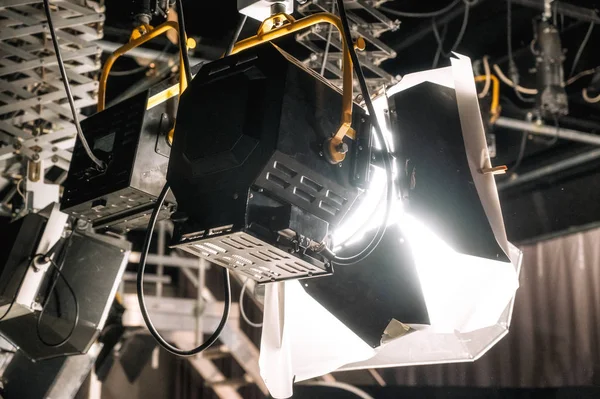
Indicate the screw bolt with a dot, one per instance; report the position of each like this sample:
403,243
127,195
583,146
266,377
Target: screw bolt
342,148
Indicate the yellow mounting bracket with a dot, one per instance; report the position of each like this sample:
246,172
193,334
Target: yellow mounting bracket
280,25
139,36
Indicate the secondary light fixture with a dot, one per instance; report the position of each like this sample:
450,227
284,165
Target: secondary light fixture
132,139
440,285
58,284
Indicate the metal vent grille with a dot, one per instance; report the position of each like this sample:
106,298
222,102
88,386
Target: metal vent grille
293,182
128,198
256,259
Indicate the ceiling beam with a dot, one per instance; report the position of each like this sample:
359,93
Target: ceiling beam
550,131
551,169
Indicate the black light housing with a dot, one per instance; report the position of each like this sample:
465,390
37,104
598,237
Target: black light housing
255,193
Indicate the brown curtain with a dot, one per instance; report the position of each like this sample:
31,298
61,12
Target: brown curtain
554,339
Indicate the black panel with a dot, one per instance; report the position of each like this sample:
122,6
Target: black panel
203,173
221,132
437,184
120,124
19,241
368,295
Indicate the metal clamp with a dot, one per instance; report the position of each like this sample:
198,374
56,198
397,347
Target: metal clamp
283,24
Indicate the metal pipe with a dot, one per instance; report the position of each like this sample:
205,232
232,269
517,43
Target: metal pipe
141,52
545,130
175,261
550,169
149,278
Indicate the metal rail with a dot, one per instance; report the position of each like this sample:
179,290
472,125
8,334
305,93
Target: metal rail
545,130
548,170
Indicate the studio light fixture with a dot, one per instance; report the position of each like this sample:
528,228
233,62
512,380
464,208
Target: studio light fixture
269,171
58,284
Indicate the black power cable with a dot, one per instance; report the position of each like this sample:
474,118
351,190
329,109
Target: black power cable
581,47
128,72
59,248
513,71
63,73
183,42
387,159
142,267
442,37
520,155
140,290
554,140
431,14
461,33
236,35
142,68
76,302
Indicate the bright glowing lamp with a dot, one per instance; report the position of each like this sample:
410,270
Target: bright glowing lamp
440,286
